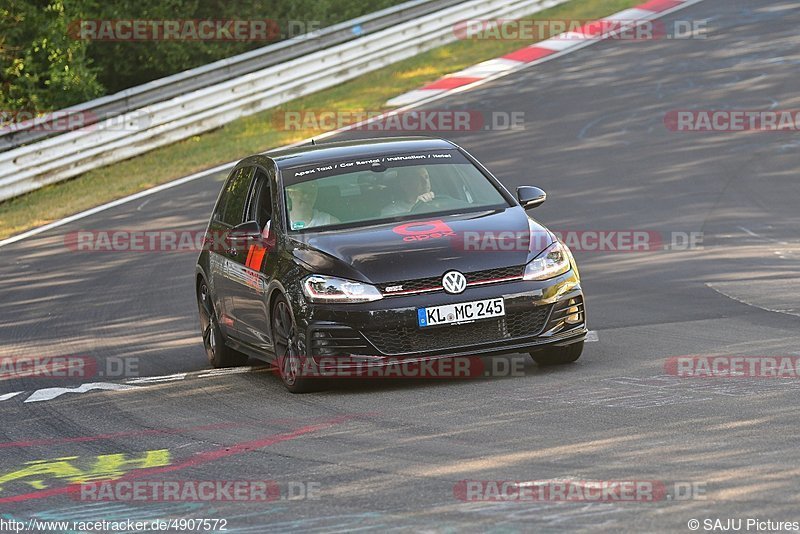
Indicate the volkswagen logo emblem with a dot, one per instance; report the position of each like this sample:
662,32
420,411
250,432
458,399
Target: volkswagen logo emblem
454,282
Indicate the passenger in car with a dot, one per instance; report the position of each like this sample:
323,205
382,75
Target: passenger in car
302,213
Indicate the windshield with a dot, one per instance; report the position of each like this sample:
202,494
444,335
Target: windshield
363,191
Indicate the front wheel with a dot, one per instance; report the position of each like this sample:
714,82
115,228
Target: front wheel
219,354
558,355
288,356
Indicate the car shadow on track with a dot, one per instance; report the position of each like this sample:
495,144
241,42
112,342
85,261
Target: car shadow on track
474,370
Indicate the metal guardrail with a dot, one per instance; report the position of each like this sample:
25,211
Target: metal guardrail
161,122
219,71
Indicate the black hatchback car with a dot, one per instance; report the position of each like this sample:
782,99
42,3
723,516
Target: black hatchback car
381,251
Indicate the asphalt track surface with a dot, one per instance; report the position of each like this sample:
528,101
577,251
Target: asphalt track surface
386,454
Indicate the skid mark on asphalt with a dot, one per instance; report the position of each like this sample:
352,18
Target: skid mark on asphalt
196,460
657,391
363,521
576,515
451,518
117,435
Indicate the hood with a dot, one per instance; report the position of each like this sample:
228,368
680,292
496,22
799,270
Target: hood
424,248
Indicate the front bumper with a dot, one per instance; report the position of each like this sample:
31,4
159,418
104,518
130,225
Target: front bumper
385,331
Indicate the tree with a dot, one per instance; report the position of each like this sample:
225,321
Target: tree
45,65
43,68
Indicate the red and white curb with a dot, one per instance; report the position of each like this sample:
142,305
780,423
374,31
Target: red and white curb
542,51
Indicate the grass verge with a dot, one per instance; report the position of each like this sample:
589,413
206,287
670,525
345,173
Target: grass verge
258,133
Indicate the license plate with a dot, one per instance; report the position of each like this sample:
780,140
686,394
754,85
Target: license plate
463,312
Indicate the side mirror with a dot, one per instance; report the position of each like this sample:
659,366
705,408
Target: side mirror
244,231
530,197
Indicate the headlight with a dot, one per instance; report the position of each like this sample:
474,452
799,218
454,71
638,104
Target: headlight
552,262
320,288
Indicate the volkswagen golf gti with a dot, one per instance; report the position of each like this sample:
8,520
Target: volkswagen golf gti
379,251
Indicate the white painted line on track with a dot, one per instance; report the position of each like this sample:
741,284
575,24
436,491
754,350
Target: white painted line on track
563,42
229,371
52,393
48,394
157,379
633,14
723,288
748,231
414,96
491,66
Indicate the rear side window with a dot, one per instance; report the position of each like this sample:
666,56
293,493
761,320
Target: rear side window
260,205
230,209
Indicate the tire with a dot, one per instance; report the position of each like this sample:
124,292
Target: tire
219,354
288,355
558,355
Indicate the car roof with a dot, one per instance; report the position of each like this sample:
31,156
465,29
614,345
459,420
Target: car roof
321,152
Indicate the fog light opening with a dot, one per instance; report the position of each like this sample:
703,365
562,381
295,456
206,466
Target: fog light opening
574,316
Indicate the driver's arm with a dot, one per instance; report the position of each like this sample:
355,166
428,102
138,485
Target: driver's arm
425,197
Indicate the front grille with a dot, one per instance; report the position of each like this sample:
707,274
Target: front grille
402,339
527,323
413,285
435,282
494,274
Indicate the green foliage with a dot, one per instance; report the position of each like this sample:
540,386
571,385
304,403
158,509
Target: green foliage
41,66
44,66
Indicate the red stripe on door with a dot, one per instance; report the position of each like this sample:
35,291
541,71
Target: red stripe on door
256,258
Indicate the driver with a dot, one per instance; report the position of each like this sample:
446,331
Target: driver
302,213
414,185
